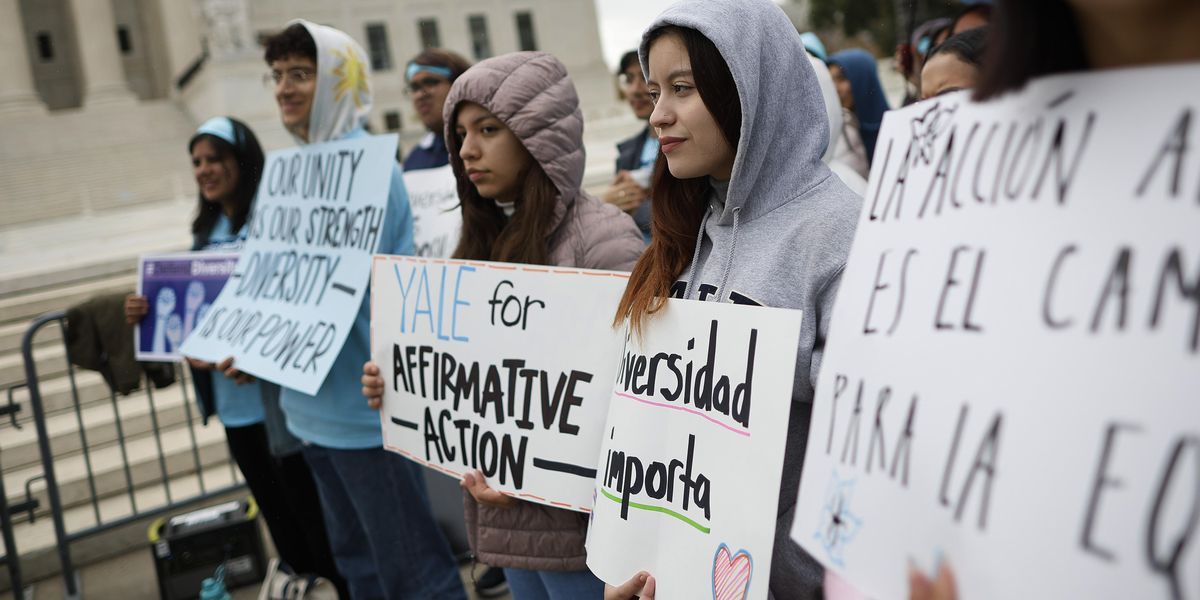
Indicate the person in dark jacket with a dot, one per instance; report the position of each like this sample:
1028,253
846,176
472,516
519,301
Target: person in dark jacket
227,162
630,189
428,77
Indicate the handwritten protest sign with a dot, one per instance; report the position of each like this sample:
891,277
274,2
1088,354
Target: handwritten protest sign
688,483
1013,363
437,220
497,367
300,281
179,289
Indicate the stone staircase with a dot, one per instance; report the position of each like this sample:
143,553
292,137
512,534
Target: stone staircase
142,450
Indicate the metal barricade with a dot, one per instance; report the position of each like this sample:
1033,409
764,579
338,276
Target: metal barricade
63,537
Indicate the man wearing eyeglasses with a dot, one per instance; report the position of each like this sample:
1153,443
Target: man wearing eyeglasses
382,534
630,189
429,76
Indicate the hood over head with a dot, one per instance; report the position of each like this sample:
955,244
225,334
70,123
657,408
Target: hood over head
785,127
342,101
869,101
531,93
833,106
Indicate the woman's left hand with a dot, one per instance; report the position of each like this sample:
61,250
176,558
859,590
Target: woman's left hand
942,587
474,483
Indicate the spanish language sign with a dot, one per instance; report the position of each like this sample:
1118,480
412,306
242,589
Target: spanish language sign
179,289
688,482
1011,378
437,219
497,367
300,281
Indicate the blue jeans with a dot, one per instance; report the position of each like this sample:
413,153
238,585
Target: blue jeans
381,531
553,585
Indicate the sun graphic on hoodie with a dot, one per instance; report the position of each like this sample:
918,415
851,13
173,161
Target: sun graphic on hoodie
352,76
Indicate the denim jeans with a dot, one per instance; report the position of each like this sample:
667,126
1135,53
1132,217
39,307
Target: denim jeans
553,585
381,531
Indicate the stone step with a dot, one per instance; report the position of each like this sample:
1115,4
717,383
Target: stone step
19,448
11,335
37,546
25,307
95,246
51,361
108,466
57,396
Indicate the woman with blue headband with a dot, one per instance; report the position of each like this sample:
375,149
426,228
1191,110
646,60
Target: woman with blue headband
227,162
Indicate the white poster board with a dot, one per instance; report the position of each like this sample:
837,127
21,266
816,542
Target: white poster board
498,367
1011,378
298,286
688,482
437,219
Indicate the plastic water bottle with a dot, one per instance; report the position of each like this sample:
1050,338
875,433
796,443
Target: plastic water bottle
213,589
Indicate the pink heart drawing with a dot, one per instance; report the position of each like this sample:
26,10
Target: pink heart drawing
731,574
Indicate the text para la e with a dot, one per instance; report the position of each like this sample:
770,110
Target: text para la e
887,450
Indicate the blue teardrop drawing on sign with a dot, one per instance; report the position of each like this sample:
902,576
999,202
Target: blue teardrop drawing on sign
838,526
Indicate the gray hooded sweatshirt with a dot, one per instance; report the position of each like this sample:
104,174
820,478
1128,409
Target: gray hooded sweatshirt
779,234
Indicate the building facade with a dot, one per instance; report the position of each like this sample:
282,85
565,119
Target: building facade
206,54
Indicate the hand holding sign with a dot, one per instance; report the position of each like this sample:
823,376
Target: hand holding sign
474,483
688,486
372,382
640,585
479,372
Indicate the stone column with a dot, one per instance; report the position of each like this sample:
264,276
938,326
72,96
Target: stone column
99,57
17,94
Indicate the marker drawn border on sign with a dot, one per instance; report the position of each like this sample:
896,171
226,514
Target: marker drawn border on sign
384,258
686,410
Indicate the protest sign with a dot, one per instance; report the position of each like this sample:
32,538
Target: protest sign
179,289
688,482
1011,374
437,220
497,367
298,286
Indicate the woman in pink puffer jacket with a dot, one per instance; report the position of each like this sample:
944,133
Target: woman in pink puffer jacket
515,135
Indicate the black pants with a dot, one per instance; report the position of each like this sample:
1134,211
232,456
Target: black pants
286,495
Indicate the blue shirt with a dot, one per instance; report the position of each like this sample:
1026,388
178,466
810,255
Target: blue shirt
338,415
237,405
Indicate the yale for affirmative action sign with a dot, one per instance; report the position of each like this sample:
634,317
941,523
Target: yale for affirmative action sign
497,367
289,305
1012,379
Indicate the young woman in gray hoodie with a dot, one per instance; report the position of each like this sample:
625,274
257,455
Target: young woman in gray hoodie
744,211
515,135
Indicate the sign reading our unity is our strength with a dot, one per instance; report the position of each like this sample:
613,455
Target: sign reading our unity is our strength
497,367
1012,378
289,304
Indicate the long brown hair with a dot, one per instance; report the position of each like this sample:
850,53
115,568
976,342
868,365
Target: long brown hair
1028,39
488,235
678,205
